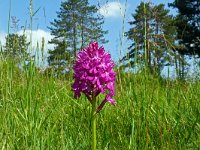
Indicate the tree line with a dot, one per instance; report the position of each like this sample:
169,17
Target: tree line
157,38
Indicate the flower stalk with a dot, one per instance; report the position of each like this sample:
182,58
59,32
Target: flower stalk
93,122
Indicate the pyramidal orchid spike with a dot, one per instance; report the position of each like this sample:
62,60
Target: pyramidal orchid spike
94,74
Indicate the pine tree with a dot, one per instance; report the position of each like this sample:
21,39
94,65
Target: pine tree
188,26
76,25
153,35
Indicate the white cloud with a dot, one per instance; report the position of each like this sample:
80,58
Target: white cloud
2,38
37,36
112,9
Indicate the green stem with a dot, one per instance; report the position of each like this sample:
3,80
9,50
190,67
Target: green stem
145,35
94,141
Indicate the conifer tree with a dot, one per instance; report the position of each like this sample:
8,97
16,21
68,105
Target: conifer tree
188,26
153,38
76,25
187,22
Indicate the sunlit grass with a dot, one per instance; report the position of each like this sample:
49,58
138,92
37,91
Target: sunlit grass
39,112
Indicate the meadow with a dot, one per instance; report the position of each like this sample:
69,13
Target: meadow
39,112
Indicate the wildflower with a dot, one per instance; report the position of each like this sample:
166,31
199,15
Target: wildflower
94,74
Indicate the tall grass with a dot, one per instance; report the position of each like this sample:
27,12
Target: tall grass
151,113
38,111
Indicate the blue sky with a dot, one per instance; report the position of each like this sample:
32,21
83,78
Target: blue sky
113,10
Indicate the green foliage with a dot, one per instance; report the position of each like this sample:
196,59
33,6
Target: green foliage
153,35
39,112
58,58
76,25
188,25
16,46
